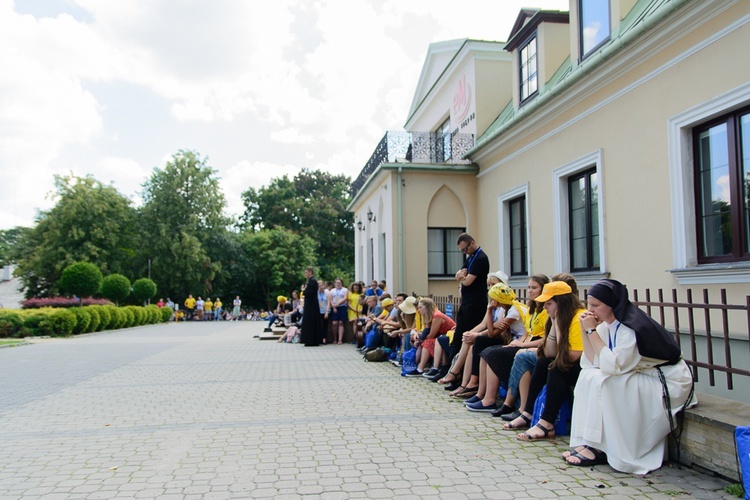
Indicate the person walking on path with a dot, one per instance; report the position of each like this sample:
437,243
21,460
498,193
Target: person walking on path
472,278
312,328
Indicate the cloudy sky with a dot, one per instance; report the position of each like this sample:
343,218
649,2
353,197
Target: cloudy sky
113,88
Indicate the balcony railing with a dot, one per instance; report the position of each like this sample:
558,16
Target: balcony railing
415,147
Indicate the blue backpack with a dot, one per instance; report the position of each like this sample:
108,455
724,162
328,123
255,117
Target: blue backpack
742,438
372,338
409,361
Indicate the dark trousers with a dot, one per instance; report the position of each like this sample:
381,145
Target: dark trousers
468,316
480,344
558,387
324,325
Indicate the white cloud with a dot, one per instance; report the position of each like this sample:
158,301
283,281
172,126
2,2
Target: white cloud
245,174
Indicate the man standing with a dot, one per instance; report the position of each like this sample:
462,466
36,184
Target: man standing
312,329
472,278
189,305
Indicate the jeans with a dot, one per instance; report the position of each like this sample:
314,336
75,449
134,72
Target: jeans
523,362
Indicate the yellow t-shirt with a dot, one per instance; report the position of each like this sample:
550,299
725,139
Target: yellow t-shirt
536,323
354,304
208,305
190,302
575,335
217,304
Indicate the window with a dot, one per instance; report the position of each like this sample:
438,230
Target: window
583,219
593,22
517,233
443,256
443,142
722,178
528,69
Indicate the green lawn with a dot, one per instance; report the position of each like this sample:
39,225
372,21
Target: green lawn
10,342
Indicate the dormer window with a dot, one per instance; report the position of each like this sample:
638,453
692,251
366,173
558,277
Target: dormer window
593,22
528,69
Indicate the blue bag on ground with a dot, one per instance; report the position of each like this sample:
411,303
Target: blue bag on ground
409,361
372,338
742,440
562,421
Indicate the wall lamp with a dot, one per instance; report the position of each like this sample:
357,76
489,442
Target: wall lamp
360,226
371,216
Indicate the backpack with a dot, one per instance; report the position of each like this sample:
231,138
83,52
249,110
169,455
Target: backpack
379,354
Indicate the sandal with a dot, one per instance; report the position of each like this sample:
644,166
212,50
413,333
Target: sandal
468,392
573,451
444,381
510,426
456,391
525,436
600,458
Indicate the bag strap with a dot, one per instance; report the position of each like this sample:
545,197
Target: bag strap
675,430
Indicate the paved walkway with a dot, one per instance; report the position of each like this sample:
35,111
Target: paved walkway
207,411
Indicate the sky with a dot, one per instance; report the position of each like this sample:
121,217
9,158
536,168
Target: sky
261,89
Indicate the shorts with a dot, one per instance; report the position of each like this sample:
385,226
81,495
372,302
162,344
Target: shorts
339,314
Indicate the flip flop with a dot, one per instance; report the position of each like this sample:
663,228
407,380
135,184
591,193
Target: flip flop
509,426
600,458
525,436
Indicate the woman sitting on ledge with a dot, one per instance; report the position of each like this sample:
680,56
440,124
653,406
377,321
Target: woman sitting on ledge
632,384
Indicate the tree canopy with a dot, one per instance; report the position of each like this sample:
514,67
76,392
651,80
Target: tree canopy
90,222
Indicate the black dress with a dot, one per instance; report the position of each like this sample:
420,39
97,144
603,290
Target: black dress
312,331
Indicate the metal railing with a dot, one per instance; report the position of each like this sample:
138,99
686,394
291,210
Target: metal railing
415,147
706,330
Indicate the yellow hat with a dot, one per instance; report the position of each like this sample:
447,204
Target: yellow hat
502,294
281,299
553,289
386,302
408,306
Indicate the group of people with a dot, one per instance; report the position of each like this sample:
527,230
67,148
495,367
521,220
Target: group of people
203,310
623,371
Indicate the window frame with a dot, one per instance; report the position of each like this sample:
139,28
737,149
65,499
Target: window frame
561,228
524,271
740,251
589,221
583,54
521,81
504,232
446,244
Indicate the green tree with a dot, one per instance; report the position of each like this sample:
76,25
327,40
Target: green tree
115,287
83,279
144,289
11,248
313,203
89,222
274,261
183,212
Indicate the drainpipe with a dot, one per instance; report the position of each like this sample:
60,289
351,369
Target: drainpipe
400,223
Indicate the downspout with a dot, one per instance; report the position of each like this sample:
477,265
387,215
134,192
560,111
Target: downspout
400,224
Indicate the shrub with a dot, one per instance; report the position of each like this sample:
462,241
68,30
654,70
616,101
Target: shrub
153,314
114,318
166,314
138,315
82,279
31,325
83,319
144,289
105,317
115,287
129,317
10,324
96,319
62,302
61,323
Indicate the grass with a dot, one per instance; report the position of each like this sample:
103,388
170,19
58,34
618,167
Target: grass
10,342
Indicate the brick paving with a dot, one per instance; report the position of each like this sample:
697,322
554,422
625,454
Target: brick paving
207,411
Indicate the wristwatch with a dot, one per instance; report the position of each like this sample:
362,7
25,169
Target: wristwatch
590,331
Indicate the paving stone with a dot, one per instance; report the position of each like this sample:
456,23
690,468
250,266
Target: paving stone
202,411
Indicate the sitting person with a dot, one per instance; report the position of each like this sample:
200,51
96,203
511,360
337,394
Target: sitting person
292,334
630,363
278,315
408,322
558,366
497,361
296,317
455,374
435,323
503,298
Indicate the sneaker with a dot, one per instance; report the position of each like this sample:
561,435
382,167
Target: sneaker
413,373
478,406
431,373
472,400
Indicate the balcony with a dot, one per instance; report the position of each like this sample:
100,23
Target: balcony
416,147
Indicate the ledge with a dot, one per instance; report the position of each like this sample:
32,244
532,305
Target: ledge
713,274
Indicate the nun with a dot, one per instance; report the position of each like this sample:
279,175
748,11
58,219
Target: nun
632,384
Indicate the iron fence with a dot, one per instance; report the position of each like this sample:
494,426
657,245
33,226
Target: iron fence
710,333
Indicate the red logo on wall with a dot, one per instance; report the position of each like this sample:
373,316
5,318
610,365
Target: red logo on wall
461,100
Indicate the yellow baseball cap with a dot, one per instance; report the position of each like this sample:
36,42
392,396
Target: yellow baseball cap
553,289
386,302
